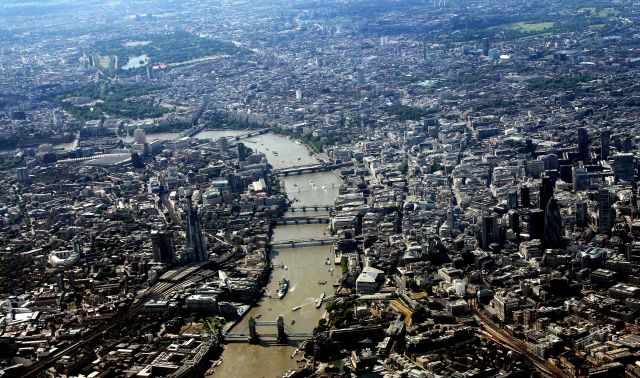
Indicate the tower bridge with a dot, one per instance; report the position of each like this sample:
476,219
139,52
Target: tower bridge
282,335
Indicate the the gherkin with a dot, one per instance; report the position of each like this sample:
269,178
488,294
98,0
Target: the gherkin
553,231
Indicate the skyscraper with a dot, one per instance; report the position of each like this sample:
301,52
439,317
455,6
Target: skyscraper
583,143
223,143
536,224
164,249
139,136
512,199
605,139
525,196
580,179
241,152
624,167
485,46
360,76
22,174
605,216
514,221
489,232
137,161
582,214
553,231
546,191
195,238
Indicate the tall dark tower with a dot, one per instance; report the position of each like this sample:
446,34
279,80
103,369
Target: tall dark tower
164,249
583,143
536,224
605,139
489,231
195,239
485,46
546,191
241,153
525,196
424,51
552,225
605,212
514,221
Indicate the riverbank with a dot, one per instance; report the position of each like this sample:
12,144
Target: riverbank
305,269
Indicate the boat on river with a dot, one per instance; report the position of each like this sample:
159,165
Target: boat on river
296,308
320,300
283,288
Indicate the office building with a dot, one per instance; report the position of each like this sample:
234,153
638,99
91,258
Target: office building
241,152
514,221
550,162
553,230
605,140
582,214
583,143
580,179
223,143
489,232
512,199
22,174
525,196
163,247
360,76
536,224
139,136
546,191
605,212
624,167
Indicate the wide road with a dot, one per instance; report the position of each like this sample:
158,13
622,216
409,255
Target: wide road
172,213
502,337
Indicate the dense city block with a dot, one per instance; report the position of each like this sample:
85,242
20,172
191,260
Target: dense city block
319,188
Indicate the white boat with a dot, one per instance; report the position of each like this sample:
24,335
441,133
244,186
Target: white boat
283,288
296,308
327,261
320,300
324,187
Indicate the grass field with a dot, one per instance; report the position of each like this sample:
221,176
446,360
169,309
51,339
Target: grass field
529,27
604,12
